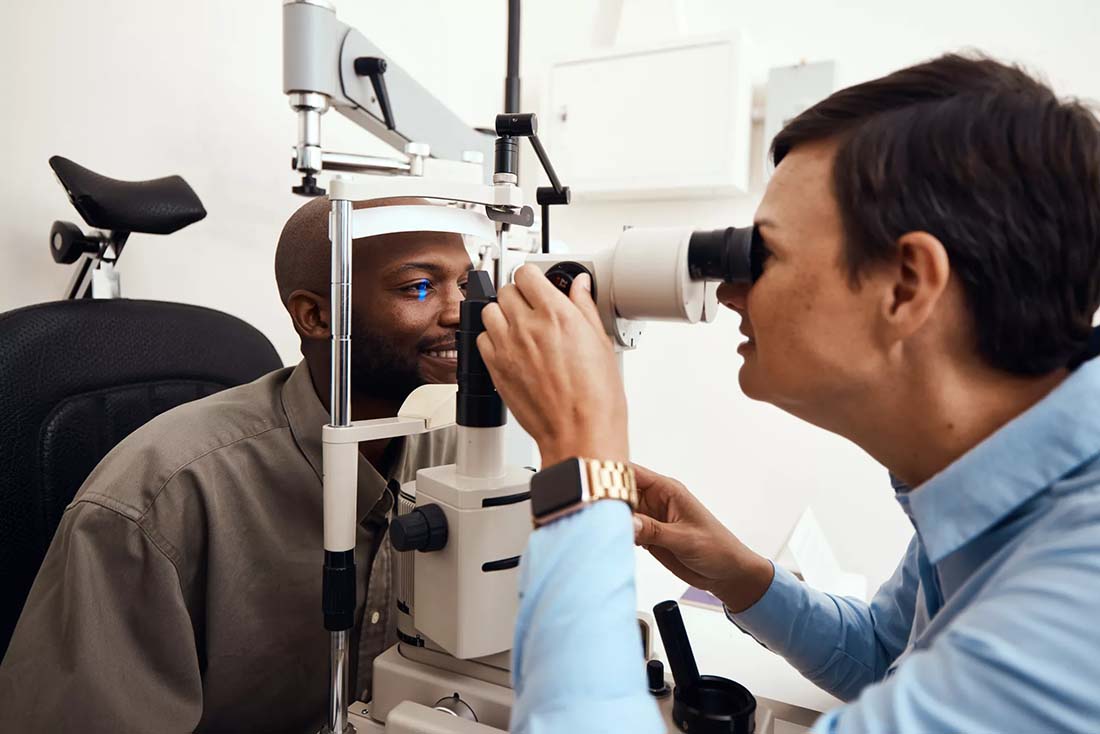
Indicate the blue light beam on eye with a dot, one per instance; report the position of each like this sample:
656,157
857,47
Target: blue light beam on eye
422,290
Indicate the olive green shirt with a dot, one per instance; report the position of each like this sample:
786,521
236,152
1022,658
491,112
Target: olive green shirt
182,591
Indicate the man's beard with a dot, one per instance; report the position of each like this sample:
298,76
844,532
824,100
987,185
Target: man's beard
380,369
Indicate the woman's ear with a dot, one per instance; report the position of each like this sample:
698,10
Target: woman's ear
921,273
310,314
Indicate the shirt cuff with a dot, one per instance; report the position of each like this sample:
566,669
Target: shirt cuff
577,661
768,620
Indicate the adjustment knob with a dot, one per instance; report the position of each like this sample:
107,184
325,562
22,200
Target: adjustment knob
68,243
424,529
564,273
655,678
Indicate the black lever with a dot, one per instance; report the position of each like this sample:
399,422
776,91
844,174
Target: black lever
375,68
510,126
547,196
701,704
677,645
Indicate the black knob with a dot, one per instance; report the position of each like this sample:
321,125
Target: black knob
309,187
563,274
369,65
424,529
519,124
68,243
655,678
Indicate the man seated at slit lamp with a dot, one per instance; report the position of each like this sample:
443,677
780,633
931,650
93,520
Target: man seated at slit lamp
929,270
182,586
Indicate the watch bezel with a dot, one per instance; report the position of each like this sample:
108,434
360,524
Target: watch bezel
558,489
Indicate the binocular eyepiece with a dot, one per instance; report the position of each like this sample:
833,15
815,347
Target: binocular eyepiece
732,255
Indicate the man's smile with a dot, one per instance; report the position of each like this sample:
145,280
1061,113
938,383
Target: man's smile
446,353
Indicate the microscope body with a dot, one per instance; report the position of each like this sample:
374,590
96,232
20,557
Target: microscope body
643,277
457,605
472,582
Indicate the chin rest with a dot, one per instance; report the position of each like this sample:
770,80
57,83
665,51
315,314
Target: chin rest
158,206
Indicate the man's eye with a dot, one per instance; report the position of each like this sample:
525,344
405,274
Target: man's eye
420,289
462,288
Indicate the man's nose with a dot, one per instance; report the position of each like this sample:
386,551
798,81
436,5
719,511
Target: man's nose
449,316
734,295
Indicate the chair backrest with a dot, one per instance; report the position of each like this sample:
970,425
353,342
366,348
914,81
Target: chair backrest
76,377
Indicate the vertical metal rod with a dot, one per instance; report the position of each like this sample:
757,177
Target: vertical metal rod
340,407
545,229
338,668
498,263
511,80
340,378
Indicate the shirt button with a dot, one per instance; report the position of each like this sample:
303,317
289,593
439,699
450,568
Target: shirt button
374,617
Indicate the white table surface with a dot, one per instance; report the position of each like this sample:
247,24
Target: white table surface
722,649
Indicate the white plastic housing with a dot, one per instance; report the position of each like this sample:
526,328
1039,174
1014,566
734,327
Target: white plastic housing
467,611
427,408
649,276
421,218
644,277
480,451
362,188
340,479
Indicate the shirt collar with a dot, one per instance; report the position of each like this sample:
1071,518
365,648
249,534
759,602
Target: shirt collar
306,415
1021,459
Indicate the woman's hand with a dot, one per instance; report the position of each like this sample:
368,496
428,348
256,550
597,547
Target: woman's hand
675,527
555,368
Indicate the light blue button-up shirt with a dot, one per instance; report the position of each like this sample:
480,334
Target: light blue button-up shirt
577,664
991,622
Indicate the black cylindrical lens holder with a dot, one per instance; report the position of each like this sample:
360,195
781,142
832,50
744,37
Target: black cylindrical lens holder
721,254
506,156
338,590
479,404
714,705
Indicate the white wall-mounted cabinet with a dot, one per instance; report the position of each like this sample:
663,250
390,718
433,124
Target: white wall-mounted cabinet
667,121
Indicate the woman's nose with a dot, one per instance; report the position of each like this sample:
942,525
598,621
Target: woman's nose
734,295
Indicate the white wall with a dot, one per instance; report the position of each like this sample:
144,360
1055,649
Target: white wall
143,88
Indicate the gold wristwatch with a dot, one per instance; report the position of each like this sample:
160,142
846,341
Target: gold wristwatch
573,484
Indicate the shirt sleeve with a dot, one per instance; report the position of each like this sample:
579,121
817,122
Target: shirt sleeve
577,663
839,643
1025,657
105,642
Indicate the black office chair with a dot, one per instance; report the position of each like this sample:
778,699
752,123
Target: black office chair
78,376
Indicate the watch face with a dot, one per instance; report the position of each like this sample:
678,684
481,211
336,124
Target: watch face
556,488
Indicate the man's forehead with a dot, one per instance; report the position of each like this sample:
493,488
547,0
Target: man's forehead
391,252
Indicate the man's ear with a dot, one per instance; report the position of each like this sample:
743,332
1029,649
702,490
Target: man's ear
310,314
921,272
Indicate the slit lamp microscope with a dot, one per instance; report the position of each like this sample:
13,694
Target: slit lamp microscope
459,530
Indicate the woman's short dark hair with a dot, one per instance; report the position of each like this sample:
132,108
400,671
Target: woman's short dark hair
987,159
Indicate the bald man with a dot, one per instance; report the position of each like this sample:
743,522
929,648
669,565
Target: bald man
182,591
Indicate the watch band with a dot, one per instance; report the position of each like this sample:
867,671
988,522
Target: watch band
564,488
